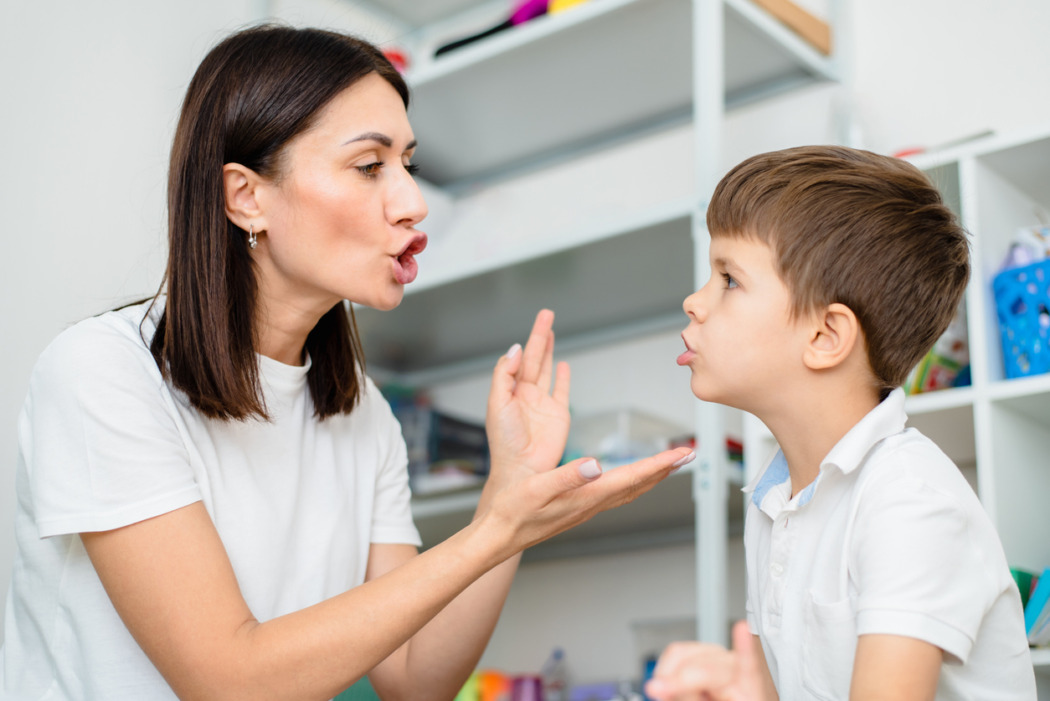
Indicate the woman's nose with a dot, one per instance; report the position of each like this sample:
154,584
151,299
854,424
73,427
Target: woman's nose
406,205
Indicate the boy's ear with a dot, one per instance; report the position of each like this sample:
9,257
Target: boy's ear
834,333
241,186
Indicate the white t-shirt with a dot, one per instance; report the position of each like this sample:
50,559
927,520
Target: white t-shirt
889,539
105,442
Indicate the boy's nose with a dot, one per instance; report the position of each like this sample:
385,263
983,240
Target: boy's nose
693,307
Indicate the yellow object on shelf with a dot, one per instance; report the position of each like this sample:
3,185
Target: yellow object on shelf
556,6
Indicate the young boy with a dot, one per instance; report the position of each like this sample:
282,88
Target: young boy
873,571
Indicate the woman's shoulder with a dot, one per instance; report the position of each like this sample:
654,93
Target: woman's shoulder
115,342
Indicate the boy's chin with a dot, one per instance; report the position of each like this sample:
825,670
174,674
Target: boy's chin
707,393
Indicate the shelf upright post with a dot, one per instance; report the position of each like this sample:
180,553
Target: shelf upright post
843,59
709,479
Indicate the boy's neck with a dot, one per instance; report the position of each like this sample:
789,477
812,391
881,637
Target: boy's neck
810,426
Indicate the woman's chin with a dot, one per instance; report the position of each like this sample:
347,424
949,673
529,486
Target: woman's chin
385,303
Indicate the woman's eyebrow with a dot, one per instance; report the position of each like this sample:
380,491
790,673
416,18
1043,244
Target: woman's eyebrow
381,139
372,136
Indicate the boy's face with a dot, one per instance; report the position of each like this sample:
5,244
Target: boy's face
741,344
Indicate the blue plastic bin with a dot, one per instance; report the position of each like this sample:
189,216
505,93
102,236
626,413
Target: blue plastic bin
1022,302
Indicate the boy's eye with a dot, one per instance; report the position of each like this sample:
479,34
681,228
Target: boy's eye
729,281
371,170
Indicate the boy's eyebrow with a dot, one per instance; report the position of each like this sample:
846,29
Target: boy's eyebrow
726,263
381,139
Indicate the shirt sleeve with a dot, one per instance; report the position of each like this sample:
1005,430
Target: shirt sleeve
97,434
920,565
392,515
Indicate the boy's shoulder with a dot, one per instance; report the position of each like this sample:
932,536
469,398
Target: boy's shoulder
908,460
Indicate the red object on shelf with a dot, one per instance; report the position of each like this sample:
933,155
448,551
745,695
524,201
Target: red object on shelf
397,57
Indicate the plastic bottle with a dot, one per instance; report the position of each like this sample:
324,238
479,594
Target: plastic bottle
555,677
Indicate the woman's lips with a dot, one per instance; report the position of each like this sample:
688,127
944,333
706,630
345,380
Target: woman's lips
405,266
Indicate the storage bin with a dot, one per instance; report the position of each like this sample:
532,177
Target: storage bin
1022,302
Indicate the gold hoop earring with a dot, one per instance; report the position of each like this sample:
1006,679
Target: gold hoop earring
252,240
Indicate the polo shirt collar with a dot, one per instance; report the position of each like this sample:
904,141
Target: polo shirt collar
886,419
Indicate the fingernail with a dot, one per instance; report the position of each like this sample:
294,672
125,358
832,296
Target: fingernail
589,469
514,350
684,460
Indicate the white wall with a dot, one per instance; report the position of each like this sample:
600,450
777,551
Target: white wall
90,92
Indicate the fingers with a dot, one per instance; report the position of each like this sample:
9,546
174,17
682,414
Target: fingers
504,376
538,348
628,482
744,646
561,384
543,380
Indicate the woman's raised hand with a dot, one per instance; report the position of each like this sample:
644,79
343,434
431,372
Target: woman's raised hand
527,424
527,420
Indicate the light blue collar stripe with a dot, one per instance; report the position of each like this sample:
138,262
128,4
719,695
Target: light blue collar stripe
776,473
807,493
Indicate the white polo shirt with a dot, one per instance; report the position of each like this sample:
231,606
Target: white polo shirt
890,539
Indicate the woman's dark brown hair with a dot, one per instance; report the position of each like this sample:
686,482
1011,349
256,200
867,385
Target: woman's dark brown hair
251,95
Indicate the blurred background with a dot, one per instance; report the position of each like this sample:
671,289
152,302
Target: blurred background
90,93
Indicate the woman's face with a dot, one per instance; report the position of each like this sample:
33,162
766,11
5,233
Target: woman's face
340,218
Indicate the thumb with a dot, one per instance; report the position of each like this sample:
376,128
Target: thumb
579,472
570,476
744,647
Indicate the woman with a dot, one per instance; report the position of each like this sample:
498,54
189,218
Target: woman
213,500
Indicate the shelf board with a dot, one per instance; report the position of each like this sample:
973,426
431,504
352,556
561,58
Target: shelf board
1020,387
668,505
415,13
563,82
1041,658
1027,166
940,400
663,516
1029,396
633,279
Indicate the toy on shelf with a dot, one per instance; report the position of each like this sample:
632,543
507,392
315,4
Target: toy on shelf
398,57
947,364
524,11
1022,304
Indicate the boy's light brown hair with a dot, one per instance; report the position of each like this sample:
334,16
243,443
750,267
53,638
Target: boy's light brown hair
857,228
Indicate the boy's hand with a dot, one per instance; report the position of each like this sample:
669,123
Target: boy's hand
700,671
527,420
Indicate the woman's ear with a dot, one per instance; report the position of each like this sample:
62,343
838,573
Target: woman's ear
834,335
242,206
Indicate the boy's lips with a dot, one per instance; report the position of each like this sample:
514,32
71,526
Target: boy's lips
688,355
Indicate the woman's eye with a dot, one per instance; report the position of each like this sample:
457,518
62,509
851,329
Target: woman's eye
411,168
371,170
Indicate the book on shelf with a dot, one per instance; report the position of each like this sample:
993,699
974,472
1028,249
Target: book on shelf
1037,611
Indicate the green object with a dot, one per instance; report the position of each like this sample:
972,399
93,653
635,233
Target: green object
1024,583
469,692
361,691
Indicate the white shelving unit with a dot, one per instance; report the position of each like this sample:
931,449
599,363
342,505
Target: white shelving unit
997,430
537,143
